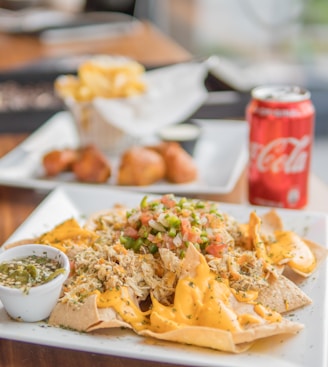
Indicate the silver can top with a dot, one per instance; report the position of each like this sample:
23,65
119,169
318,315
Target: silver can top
281,93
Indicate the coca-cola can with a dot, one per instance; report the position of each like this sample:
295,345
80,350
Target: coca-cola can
281,130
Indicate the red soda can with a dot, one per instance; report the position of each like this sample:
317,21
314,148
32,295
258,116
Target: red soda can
281,129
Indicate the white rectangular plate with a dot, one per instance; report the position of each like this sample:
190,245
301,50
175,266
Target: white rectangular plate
308,348
220,155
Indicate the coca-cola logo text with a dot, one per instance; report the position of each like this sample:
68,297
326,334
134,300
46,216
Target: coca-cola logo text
277,112
286,154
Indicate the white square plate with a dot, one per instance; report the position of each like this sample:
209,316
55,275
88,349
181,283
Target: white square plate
221,155
308,348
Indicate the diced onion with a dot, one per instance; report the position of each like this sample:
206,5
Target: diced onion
159,227
162,220
177,240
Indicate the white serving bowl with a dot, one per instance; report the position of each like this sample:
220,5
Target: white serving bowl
38,303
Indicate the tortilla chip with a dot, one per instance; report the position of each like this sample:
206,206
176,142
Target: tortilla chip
87,317
115,214
270,222
109,319
189,265
319,251
258,245
222,340
283,295
320,254
91,223
202,337
262,331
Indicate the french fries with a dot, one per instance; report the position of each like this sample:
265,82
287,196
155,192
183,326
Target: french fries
103,76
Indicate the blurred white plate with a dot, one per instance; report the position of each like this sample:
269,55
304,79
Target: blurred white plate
307,348
221,155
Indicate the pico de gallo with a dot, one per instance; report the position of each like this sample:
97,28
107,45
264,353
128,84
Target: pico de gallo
175,223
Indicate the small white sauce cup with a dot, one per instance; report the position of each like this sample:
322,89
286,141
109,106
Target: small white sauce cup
186,134
40,300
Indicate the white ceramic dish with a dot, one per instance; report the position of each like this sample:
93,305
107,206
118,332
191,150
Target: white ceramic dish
38,302
308,348
221,155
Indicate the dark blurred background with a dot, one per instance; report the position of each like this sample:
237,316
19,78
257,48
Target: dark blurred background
257,42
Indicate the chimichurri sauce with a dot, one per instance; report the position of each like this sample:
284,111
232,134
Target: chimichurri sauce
30,271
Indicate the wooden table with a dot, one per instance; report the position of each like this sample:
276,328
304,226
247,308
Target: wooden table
146,45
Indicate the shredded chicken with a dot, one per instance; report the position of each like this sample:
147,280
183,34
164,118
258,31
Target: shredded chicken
106,266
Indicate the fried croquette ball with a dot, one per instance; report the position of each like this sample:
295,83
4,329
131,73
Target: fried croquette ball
92,166
140,166
180,166
59,160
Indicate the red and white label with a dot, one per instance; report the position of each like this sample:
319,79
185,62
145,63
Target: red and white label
286,154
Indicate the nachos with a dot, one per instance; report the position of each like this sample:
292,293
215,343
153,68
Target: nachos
182,270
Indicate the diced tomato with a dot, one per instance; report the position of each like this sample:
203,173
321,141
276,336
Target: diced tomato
154,239
168,201
216,249
189,233
194,236
185,226
145,217
131,232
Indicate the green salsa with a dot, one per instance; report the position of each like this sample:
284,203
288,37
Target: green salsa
27,272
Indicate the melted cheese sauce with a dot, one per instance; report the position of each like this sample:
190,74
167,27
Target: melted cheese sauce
120,300
288,248
203,301
66,233
291,249
245,296
255,236
200,300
